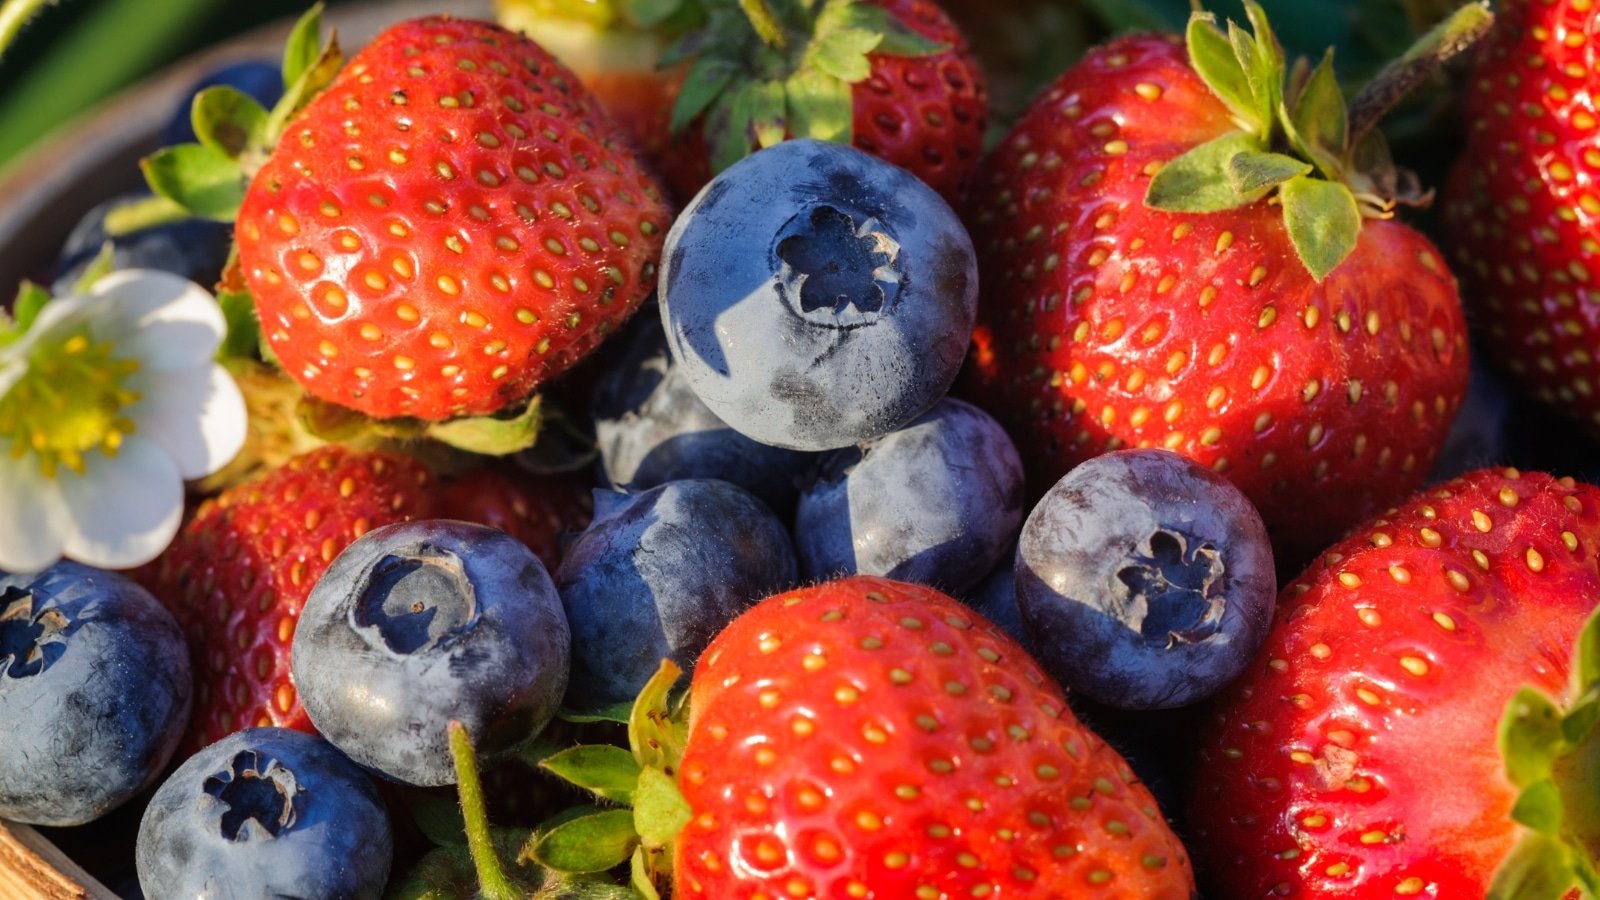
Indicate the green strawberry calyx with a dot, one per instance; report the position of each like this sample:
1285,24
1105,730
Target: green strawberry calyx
762,71
1298,143
1552,756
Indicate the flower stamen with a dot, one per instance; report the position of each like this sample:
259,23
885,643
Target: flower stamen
70,403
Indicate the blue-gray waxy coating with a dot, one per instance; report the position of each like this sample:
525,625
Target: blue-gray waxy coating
658,574
94,693
652,429
419,623
1144,581
938,502
816,297
265,812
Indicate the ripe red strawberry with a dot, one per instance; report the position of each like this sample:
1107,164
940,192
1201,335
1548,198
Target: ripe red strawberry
894,78
1263,321
869,738
1358,757
239,572
534,509
449,224
1520,219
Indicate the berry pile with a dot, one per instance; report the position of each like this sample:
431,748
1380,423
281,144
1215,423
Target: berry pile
1125,511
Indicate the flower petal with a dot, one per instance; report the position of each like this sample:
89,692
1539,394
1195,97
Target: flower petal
196,414
33,517
164,320
126,508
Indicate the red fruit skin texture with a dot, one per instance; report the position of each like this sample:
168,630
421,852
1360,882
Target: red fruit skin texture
1357,758
925,114
1106,324
239,573
535,509
871,738
1522,205
451,223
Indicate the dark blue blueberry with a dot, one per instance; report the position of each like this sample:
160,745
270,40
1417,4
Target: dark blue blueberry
261,79
658,574
652,429
265,812
197,249
1482,433
816,297
1144,580
995,598
420,623
938,502
94,693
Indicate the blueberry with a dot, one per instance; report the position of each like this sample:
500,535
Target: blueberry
816,297
94,693
995,598
419,623
1144,580
938,502
194,248
658,574
261,79
265,812
1482,433
652,429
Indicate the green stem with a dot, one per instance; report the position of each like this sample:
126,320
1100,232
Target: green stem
1447,40
492,881
14,14
764,22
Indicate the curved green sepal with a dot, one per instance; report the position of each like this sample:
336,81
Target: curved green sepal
1586,657
617,713
1538,868
1198,180
609,772
591,842
1530,737
313,79
894,37
1321,123
650,13
304,46
707,78
819,107
201,179
659,810
103,263
1213,59
1252,172
229,121
1539,808
1323,221
244,325
842,53
655,734
145,212
768,113
491,435
30,299
640,878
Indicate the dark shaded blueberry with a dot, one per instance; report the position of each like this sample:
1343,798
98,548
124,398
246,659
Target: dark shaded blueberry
816,297
1482,433
194,248
420,623
652,429
265,812
261,79
1144,581
94,693
658,574
938,502
995,598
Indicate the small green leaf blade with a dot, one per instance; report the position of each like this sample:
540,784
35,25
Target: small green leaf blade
651,733
1323,221
31,298
898,39
304,45
1213,59
608,772
769,117
1586,661
659,810
198,178
1321,120
616,712
593,842
492,435
650,13
819,107
1537,868
1252,172
228,120
102,265
1198,180
639,875
1530,737
1539,807
706,80
842,53
243,340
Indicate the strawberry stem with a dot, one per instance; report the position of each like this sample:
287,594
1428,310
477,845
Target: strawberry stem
492,881
765,23
14,14
1443,43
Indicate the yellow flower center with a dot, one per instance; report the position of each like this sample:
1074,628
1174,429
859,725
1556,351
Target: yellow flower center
71,402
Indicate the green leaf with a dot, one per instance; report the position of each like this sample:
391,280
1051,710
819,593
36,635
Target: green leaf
243,339
1581,718
205,182
819,107
593,842
1213,59
1198,180
496,435
1586,659
842,53
768,116
1251,172
608,772
616,712
639,875
706,80
655,739
1323,221
228,120
25,308
304,46
297,93
1530,737
1321,122
659,810
102,265
1537,868
1539,808
439,819
898,39
729,126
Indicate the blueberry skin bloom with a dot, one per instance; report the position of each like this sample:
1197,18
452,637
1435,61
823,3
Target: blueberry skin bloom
816,297
658,574
938,502
420,623
94,693
1144,581
652,429
265,812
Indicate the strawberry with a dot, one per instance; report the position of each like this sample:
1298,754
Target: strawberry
1357,757
1171,258
870,738
239,572
892,77
450,223
535,509
1520,220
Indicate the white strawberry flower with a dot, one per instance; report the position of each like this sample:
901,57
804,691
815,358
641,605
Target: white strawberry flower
108,402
